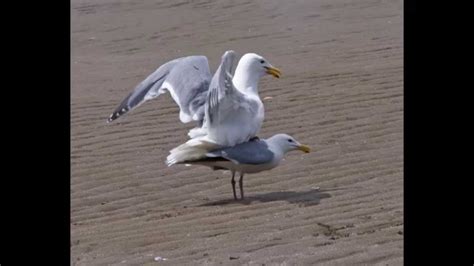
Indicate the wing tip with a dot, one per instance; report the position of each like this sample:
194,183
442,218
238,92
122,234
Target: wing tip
112,117
118,113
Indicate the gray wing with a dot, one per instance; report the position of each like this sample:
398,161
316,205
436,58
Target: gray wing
186,78
221,87
250,152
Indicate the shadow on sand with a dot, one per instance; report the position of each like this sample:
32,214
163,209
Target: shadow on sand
304,198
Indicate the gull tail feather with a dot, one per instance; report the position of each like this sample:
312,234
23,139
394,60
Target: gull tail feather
193,149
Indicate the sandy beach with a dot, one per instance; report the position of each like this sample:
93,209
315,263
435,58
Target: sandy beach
341,93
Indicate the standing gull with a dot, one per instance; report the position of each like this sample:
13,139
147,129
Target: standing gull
188,80
248,157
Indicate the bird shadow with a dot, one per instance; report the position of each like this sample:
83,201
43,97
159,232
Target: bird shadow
302,198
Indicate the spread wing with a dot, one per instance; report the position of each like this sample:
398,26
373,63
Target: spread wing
221,89
186,78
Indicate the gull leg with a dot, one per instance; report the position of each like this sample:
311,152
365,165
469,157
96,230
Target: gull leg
233,185
241,185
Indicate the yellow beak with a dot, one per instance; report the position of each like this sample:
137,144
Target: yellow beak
274,72
304,148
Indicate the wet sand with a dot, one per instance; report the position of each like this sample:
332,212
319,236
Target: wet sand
341,93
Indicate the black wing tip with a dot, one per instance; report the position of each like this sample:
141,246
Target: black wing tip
117,114
112,117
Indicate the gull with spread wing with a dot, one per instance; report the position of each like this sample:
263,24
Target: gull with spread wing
236,112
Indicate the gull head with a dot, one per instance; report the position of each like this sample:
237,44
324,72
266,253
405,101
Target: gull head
287,143
257,64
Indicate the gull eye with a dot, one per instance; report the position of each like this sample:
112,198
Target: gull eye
262,61
290,140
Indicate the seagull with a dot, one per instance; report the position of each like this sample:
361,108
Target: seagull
249,157
235,113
